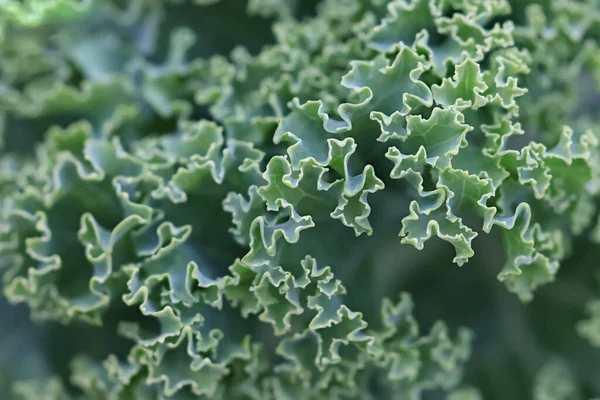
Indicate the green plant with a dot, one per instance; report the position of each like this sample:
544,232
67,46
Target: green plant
202,199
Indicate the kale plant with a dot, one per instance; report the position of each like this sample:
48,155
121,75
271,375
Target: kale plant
299,199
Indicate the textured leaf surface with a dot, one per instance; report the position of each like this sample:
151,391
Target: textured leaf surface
211,199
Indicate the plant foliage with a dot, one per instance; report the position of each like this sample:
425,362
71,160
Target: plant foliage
225,199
